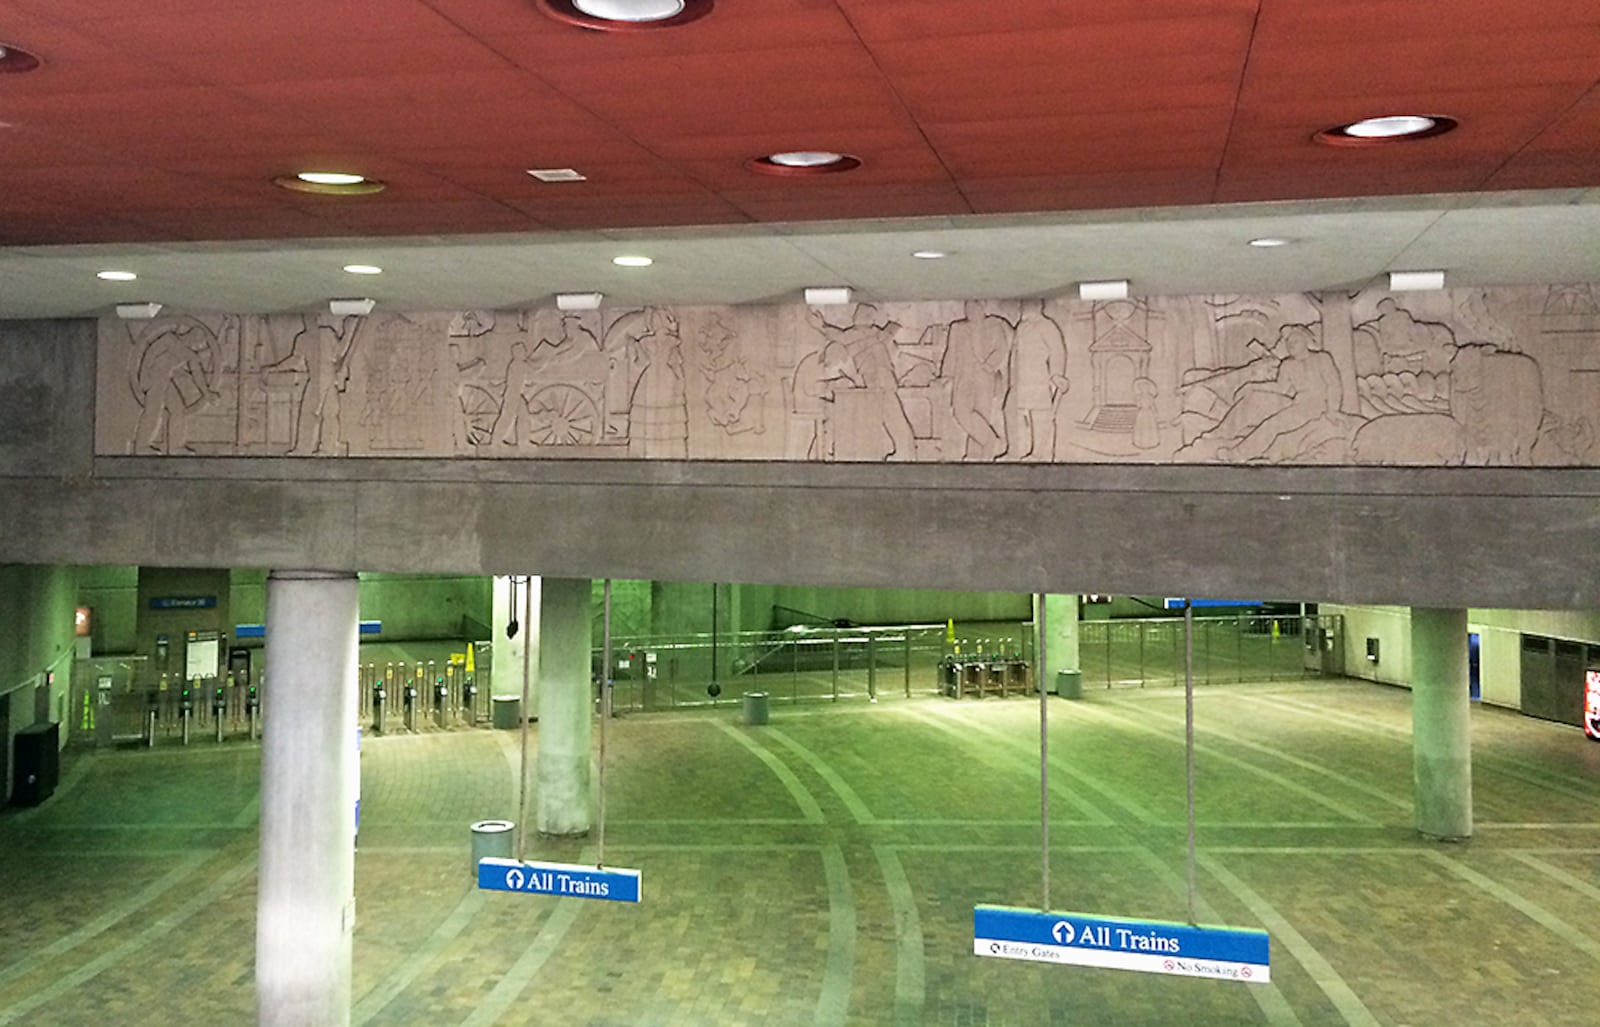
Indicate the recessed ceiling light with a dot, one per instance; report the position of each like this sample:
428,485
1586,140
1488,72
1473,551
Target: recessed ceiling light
328,183
632,261
630,10
803,162
930,254
14,60
116,276
330,178
1268,242
1390,128
627,15
557,175
363,269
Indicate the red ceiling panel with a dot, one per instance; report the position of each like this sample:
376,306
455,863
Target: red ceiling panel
175,114
1088,192
884,20
335,60
1120,142
272,30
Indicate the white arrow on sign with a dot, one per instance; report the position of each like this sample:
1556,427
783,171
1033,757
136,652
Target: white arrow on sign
514,879
1062,932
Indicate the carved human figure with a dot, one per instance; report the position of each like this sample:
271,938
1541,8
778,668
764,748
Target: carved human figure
171,377
659,412
1038,381
976,361
1265,414
868,343
811,400
510,428
331,345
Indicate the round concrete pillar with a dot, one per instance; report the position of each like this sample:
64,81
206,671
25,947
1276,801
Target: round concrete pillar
1061,647
566,707
1441,734
305,902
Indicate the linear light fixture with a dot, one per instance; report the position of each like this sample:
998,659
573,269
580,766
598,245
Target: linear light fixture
1416,281
1108,290
578,300
829,296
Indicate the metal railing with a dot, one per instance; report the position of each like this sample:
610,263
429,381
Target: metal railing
798,665
1148,652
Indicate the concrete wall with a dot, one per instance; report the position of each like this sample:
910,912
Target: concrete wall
1499,634
1477,537
36,640
1391,626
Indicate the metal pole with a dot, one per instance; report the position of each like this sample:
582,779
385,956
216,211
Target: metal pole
1188,737
908,663
605,715
522,783
1044,769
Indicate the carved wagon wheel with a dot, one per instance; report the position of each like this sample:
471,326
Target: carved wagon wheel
563,415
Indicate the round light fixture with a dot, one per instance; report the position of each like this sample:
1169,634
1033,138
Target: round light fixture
1268,242
116,276
930,254
632,261
803,162
329,183
363,269
1389,128
627,15
14,60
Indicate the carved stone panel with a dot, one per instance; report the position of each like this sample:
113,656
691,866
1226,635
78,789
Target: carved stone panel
1478,377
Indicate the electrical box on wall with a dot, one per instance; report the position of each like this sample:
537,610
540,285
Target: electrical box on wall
1372,650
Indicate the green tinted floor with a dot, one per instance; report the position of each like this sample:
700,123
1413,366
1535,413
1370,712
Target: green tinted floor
823,869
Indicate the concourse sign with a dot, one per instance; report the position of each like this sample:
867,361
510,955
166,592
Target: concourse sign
566,880
1148,946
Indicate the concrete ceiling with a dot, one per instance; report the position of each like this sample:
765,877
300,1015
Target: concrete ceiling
1041,141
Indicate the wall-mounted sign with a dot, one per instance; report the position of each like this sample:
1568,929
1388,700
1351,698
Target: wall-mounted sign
1591,704
80,622
564,879
184,603
1148,946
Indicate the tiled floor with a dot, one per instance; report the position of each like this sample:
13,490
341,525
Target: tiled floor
823,869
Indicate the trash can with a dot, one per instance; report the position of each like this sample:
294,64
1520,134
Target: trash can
1069,684
755,707
491,838
507,711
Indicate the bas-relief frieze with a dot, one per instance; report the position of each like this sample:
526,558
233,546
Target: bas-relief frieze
1482,377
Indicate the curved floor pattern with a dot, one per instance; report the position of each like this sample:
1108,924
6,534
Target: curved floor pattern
822,870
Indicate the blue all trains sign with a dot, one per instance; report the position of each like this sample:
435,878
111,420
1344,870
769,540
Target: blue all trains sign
562,879
1148,946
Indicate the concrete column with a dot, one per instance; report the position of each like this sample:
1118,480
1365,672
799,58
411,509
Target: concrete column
565,707
1441,736
1061,647
305,902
